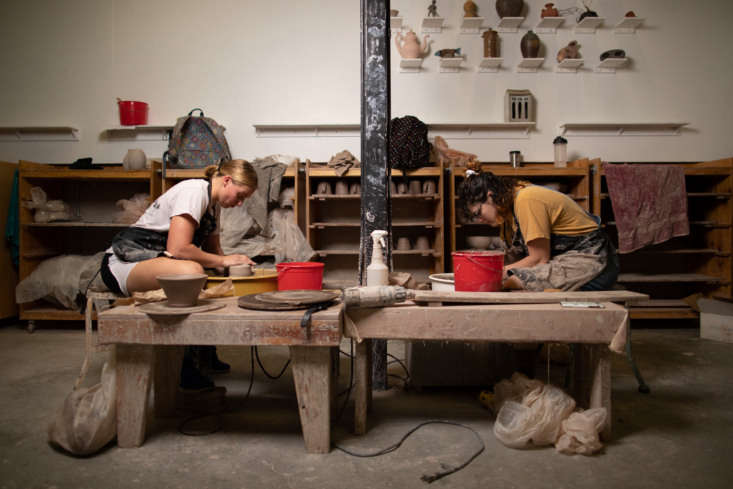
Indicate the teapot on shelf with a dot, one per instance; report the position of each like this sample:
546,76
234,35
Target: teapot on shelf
409,47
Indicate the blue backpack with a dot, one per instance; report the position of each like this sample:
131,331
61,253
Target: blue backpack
196,142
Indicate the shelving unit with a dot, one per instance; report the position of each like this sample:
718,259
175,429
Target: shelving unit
395,23
411,65
471,25
573,180
699,263
139,133
451,65
549,25
39,133
93,226
432,25
490,65
610,65
628,25
594,129
509,24
529,65
333,223
569,65
588,25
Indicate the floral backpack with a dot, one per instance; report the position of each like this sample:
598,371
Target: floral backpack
196,142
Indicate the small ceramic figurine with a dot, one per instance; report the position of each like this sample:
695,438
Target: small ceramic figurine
394,13
571,51
630,13
491,44
449,53
409,47
550,11
470,9
433,9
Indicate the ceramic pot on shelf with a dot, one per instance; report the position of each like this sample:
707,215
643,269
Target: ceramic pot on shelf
509,8
530,45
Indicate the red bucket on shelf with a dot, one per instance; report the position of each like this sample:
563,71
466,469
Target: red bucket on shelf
133,113
305,275
478,271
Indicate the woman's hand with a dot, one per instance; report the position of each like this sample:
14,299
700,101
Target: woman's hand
231,260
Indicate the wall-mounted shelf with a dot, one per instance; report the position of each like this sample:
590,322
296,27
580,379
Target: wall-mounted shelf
529,65
471,25
588,25
139,133
451,65
622,128
490,65
473,130
628,25
509,24
549,25
569,65
395,23
307,130
411,65
432,25
39,133
610,65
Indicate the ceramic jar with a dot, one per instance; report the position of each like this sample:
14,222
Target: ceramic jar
422,243
342,188
324,188
134,159
403,243
428,187
415,187
509,8
550,11
491,43
530,45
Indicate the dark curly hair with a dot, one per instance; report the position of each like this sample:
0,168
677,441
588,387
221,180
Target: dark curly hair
475,187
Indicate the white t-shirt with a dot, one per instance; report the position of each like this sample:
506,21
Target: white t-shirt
187,197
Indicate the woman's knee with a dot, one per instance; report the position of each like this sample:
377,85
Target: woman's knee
189,266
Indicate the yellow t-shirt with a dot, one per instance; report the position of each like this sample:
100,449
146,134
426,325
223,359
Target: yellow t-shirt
542,212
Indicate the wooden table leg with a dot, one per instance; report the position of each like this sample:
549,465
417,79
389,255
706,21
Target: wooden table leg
362,386
168,360
592,381
312,375
134,370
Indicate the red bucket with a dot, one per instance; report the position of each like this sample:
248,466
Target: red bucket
478,271
133,113
304,275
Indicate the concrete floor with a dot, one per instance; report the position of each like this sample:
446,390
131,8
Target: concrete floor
680,435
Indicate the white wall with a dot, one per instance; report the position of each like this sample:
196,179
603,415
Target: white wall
270,61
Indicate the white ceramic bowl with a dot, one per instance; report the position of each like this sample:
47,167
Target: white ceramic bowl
443,282
478,242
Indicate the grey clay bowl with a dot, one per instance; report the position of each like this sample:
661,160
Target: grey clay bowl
182,290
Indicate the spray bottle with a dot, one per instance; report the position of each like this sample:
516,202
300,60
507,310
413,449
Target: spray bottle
377,271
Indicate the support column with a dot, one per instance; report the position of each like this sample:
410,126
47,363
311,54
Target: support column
375,116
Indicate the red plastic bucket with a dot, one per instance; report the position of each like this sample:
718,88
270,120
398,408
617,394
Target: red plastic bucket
478,271
133,113
304,275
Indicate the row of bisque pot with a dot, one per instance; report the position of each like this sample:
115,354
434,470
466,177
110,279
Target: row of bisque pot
413,187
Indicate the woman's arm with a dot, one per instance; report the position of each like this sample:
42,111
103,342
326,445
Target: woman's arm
539,252
180,245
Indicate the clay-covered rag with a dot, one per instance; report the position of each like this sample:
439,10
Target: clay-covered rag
649,203
342,161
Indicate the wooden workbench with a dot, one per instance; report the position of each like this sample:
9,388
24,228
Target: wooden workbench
595,329
150,349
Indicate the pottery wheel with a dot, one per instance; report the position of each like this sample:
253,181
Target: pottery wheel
297,297
254,301
163,309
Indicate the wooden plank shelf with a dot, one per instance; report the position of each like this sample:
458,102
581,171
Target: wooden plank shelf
76,224
682,251
432,253
50,313
358,196
326,172
668,278
662,313
353,223
62,172
717,195
704,224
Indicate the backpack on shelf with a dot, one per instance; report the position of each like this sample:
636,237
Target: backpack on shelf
196,142
409,148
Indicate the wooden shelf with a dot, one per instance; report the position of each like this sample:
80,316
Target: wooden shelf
357,223
51,314
63,172
668,278
426,253
716,195
358,197
139,133
327,172
595,129
76,224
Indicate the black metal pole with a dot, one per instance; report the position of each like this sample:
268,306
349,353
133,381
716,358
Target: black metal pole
375,116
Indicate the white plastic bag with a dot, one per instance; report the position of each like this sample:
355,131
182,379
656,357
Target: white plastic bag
580,432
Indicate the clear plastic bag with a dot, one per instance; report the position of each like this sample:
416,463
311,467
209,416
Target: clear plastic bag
131,209
580,432
47,210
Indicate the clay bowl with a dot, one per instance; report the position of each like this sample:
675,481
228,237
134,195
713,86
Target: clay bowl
240,270
182,290
478,242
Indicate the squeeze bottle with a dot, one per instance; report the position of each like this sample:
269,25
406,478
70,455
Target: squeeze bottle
377,271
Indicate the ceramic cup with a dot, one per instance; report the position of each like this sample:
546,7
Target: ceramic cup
392,187
415,187
403,243
355,188
428,187
422,243
324,188
342,188
401,188
240,271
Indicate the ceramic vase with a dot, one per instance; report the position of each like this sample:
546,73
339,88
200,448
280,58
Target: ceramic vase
530,45
509,8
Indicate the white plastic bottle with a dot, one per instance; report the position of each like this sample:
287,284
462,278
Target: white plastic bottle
377,271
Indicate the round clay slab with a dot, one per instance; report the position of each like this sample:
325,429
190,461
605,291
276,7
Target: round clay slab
163,309
302,297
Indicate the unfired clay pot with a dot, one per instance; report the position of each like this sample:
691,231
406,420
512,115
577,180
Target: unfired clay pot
134,159
342,188
355,188
509,8
422,243
428,187
324,188
403,243
240,270
415,187
182,290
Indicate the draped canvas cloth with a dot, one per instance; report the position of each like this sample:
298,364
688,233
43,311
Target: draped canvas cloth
649,203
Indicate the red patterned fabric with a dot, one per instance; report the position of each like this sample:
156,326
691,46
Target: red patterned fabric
649,203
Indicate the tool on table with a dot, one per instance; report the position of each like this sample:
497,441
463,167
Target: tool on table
376,296
377,271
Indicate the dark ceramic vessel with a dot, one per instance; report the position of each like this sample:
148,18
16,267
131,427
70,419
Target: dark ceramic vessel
509,8
530,45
